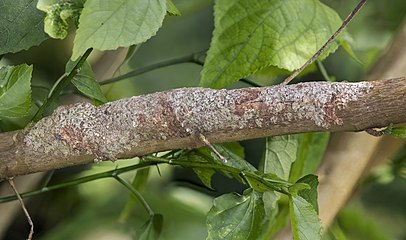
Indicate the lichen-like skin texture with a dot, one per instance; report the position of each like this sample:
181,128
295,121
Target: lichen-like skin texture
114,128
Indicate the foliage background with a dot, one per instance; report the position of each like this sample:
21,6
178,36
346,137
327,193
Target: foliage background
91,210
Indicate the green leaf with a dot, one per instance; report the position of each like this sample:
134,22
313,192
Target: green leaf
294,189
310,194
305,222
233,152
310,153
172,9
397,132
58,13
233,159
236,217
280,153
253,34
15,91
152,229
205,175
85,81
236,148
107,25
198,155
20,26
346,43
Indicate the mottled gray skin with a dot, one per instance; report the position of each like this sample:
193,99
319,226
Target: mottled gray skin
116,127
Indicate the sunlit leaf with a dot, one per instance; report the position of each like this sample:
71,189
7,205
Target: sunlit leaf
58,13
253,34
107,25
236,217
15,91
280,153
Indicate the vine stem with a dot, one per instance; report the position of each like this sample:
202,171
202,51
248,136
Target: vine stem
60,84
329,41
136,194
192,58
151,161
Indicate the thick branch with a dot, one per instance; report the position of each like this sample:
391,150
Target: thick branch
81,133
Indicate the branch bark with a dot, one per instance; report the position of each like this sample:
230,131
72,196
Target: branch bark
82,133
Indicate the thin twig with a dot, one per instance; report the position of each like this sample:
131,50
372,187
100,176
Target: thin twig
192,58
62,82
150,161
329,41
212,148
136,194
27,215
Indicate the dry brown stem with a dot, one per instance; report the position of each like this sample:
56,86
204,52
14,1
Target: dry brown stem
82,133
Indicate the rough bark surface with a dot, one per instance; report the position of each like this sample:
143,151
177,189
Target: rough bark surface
140,125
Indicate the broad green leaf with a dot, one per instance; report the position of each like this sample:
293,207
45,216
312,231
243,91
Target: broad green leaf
398,132
58,13
280,153
21,26
236,217
152,229
310,153
252,34
85,81
139,182
15,91
305,222
107,25
172,9
310,194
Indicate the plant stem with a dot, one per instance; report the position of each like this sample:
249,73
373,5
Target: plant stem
27,215
136,194
152,161
329,41
192,58
60,85
78,181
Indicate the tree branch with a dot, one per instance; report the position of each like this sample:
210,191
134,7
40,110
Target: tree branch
140,125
